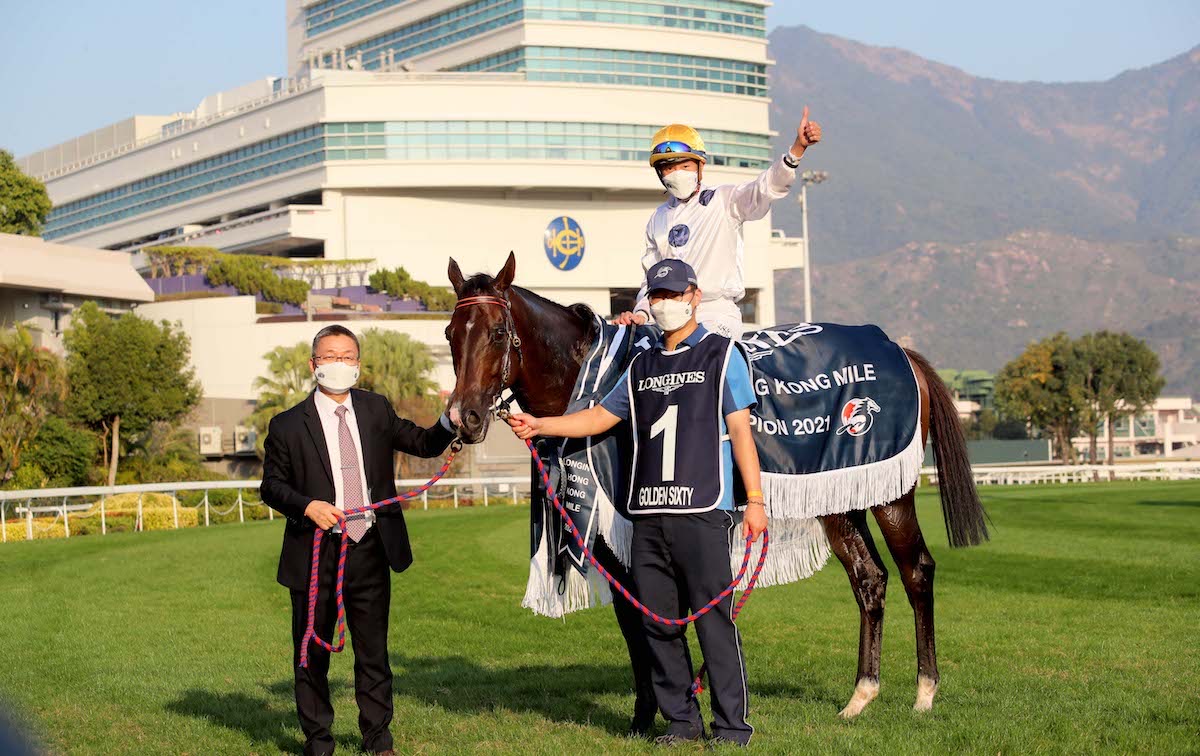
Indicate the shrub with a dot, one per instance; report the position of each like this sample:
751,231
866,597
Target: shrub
63,452
120,516
398,283
250,275
222,505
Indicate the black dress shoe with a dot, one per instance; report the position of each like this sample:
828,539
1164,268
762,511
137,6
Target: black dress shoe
718,741
643,718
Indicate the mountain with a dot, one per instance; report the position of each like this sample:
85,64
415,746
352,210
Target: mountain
918,150
978,304
969,216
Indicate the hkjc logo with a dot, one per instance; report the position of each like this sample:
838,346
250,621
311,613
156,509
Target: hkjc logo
857,416
663,273
564,243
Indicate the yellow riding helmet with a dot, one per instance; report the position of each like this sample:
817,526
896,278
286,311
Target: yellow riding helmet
676,142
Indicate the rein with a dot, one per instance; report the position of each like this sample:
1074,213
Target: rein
503,413
310,633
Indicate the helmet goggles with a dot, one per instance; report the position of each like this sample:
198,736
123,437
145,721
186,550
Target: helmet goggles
686,150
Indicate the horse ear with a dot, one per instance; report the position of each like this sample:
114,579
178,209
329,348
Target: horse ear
505,277
456,277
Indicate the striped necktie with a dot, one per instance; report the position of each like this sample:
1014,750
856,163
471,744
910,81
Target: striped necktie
352,492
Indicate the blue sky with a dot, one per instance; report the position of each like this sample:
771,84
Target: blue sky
70,67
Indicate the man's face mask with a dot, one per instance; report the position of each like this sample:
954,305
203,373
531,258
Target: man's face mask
337,377
672,314
681,183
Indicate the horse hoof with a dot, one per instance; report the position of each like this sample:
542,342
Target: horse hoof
864,693
926,690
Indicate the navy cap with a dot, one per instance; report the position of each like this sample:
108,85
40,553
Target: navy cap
672,275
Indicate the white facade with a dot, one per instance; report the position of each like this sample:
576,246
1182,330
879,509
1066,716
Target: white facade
1170,427
410,132
42,284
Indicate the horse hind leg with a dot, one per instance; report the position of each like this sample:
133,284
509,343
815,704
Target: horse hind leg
902,533
850,540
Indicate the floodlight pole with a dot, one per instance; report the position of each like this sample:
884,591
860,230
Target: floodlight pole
806,178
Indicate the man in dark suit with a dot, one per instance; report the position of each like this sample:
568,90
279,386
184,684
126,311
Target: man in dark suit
330,453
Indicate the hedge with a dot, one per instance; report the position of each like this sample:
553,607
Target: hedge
88,523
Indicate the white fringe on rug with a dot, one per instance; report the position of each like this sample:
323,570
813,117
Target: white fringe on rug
799,548
837,491
550,596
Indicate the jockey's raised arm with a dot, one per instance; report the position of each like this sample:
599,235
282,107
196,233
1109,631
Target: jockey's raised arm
702,224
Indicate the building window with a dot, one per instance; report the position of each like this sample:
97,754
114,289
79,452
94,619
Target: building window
431,32
387,140
722,16
629,68
622,300
749,306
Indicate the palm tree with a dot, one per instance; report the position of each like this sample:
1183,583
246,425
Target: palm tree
287,382
399,368
396,366
33,383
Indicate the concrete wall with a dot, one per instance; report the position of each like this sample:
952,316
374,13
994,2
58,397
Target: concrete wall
228,343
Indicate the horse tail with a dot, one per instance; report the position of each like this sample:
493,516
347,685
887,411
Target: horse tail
966,520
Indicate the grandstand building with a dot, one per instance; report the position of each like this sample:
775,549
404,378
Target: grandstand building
410,131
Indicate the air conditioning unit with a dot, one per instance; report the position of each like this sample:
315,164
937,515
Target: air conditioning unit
243,439
210,441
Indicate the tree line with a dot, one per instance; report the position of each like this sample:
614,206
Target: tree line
1065,388
122,389
113,410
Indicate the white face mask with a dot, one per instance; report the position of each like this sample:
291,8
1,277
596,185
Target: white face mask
337,377
671,314
681,184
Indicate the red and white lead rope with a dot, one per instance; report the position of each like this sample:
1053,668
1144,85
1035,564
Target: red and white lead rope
340,625
697,684
310,633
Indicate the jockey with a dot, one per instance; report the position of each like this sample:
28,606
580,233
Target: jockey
702,225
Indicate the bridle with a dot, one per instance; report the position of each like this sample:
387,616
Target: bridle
510,326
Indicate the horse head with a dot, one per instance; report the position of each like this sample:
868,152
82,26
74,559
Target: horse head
484,346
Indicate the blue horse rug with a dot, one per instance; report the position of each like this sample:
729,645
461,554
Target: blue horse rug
837,429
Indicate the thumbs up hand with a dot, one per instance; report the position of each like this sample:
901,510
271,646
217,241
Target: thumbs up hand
807,134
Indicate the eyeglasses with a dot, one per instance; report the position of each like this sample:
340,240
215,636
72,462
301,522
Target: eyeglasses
659,294
665,148
326,359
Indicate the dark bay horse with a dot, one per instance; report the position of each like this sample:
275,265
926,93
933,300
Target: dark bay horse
520,341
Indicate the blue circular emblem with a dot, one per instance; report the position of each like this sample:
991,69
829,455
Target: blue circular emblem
564,242
678,236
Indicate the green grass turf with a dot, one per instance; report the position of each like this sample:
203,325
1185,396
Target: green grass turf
1074,630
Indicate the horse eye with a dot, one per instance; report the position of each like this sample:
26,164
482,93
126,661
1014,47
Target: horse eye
447,333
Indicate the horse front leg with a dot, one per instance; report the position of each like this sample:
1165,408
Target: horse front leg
850,539
645,705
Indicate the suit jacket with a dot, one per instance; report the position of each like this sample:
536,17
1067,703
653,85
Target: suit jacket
297,470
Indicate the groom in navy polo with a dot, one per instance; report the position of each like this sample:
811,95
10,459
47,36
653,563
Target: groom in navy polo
688,403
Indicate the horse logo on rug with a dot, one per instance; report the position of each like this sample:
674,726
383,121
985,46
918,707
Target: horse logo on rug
857,416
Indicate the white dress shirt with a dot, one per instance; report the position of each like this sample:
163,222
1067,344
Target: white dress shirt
326,410
712,243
